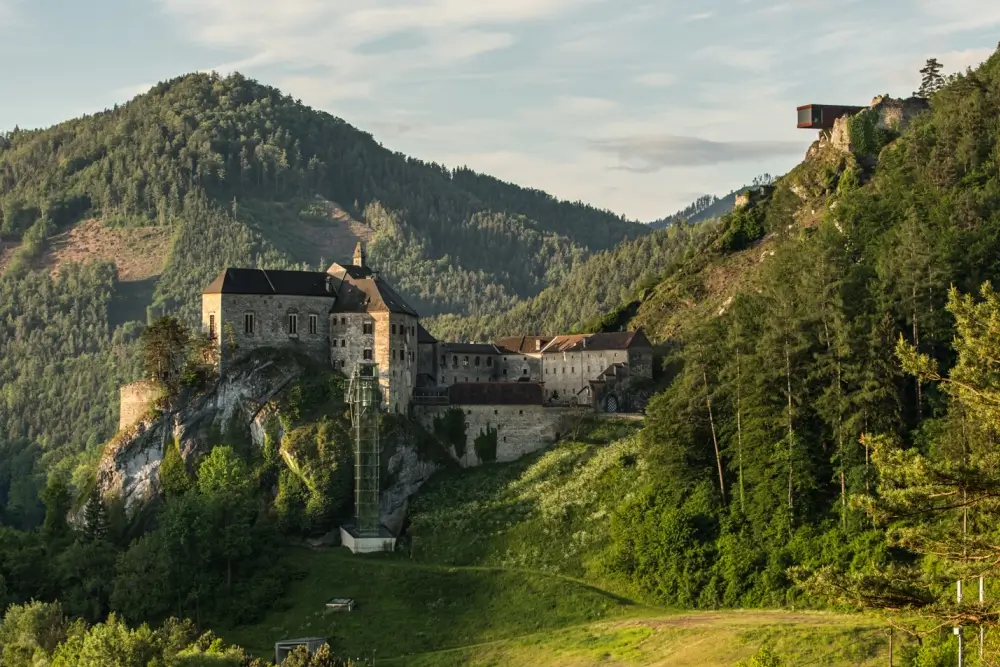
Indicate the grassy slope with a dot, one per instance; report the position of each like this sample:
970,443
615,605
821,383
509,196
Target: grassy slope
504,570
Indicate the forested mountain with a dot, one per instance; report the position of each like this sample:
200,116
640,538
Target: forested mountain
210,172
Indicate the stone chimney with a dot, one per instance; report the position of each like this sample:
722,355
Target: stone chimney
360,258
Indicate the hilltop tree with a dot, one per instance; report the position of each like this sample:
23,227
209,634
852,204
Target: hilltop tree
164,349
932,80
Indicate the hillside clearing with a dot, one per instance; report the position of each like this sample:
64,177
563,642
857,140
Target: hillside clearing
138,252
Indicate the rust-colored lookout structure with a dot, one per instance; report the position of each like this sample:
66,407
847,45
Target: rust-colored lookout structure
821,116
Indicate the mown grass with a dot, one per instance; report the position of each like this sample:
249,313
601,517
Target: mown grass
702,639
405,608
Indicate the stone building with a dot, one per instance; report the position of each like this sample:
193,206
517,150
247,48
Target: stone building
570,363
349,314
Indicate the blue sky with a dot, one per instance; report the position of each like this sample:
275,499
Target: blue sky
633,105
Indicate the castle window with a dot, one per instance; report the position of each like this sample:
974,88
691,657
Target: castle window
465,362
454,361
211,326
524,371
477,361
343,321
367,355
393,329
564,370
343,343
505,371
248,323
313,324
572,369
489,361
366,328
293,324
444,360
342,363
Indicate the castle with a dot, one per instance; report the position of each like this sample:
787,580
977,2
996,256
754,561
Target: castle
350,314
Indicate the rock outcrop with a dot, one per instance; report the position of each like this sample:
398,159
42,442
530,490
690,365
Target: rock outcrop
242,404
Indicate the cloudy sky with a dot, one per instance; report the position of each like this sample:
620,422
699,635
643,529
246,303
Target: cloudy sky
638,106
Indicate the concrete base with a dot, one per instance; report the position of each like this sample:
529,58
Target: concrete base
383,542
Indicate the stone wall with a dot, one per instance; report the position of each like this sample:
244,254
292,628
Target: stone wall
566,374
427,360
271,314
513,367
396,355
520,429
136,400
348,340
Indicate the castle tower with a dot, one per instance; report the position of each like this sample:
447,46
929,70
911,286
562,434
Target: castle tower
360,257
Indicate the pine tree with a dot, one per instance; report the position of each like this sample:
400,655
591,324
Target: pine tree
95,517
931,81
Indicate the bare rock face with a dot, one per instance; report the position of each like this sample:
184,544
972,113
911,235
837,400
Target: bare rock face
130,465
409,472
243,398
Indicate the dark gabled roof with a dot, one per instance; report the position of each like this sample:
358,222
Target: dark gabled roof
615,340
269,281
370,295
523,344
495,393
352,270
424,336
471,348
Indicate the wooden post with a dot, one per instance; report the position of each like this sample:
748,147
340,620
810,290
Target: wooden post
890,646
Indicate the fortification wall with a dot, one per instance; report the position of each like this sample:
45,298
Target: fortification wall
135,401
519,429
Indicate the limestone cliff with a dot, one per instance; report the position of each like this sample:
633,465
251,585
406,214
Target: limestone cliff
254,400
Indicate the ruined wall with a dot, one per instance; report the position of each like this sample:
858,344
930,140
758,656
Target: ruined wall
271,323
520,429
136,400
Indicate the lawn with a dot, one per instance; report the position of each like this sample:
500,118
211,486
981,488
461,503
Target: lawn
405,608
704,639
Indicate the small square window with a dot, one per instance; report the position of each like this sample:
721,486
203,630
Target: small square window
366,328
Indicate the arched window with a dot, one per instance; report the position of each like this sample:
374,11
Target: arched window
454,361
489,361
477,361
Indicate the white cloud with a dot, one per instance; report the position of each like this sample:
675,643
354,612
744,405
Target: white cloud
584,106
125,93
701,16
959,61
654,79
955,16
738,57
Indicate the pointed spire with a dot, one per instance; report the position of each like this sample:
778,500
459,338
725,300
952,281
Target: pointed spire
360,258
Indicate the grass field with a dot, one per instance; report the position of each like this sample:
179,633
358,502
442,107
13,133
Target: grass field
504,570
444,616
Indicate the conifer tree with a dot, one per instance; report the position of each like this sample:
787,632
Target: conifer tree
932,80
95,517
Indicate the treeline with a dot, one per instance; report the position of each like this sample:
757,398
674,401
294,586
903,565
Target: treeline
589,291
758,437
231,138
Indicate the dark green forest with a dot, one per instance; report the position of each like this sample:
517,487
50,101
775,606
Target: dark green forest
225,165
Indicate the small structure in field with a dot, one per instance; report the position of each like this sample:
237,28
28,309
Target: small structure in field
286,646
340,604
